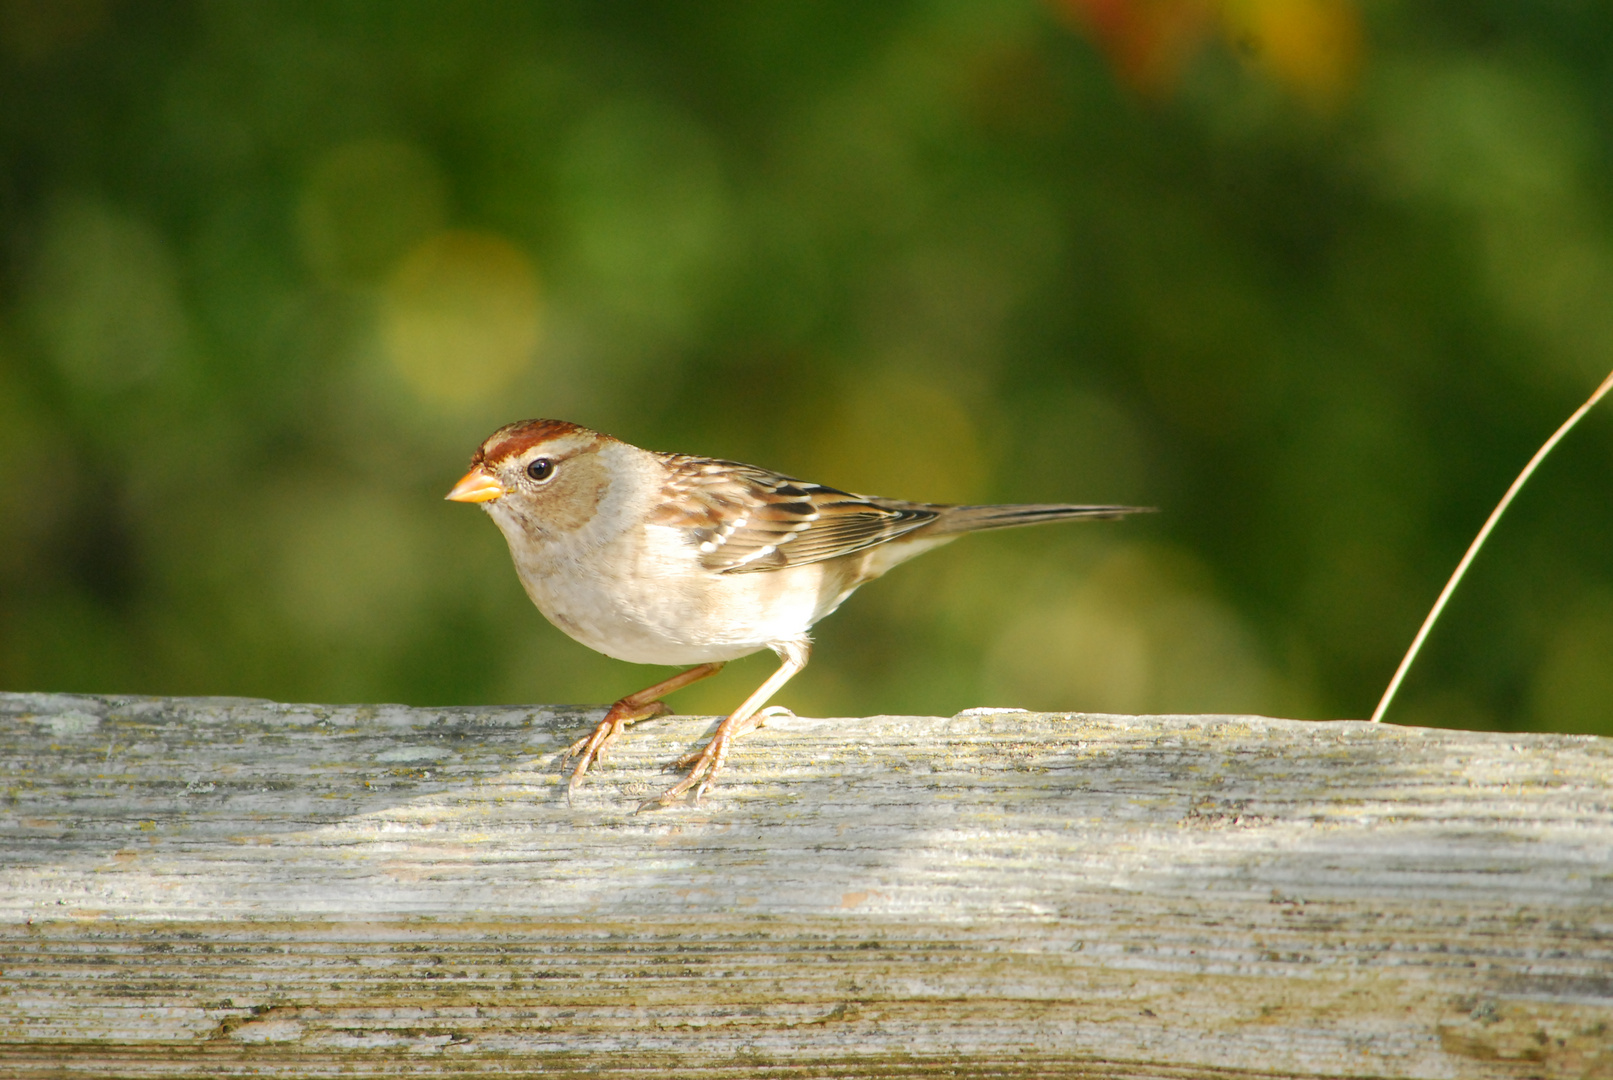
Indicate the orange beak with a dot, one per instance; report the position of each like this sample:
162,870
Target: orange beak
477,486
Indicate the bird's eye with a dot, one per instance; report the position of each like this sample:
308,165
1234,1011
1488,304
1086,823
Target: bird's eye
540,468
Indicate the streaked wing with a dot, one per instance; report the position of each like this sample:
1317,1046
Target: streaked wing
745,519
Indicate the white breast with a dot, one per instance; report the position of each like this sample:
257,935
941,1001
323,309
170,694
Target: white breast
649,601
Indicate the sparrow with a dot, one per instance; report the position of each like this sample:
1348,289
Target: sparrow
659,558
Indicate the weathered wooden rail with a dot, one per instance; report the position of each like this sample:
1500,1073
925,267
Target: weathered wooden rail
226,887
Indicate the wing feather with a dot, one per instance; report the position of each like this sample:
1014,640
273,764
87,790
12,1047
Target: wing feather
745,519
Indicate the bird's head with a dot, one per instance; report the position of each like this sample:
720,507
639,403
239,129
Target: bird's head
538,476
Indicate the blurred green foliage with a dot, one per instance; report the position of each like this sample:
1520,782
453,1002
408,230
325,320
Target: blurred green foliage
272,271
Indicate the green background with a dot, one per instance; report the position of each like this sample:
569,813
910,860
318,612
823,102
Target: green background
272,271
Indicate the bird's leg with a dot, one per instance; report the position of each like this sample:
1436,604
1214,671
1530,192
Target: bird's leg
630,710
705,765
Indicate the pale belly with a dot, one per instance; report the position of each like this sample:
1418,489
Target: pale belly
665,613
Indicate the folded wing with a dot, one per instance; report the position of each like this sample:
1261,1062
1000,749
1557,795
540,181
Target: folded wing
746,519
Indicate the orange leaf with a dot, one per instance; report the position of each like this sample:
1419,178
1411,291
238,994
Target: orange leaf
1148,42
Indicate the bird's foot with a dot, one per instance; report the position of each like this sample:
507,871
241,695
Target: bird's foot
704,765
591,748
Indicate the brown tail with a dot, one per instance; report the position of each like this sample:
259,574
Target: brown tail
962,519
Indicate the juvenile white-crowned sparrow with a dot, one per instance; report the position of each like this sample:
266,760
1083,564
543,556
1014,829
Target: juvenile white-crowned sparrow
659,558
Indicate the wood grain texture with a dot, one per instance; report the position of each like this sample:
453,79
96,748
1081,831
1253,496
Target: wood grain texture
196,887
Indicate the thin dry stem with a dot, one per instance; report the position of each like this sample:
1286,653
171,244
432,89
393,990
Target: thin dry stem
1478,542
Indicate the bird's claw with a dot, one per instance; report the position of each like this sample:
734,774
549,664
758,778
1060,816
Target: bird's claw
705,764
700,783
676,792
591,747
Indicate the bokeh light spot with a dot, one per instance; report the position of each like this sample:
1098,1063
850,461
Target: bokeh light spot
461,317
1143,633
105,297
901,435
1312,47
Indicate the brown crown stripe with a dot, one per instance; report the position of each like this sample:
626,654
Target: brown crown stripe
514,439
